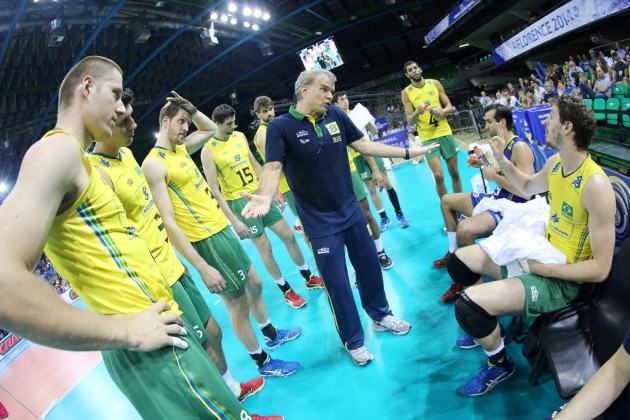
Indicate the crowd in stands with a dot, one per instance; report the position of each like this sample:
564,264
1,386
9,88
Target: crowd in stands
46,271
591,75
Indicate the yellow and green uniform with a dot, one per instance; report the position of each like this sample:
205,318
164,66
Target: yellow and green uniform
95,247
568,232
428,127
198,215
197,212
236,173
283,185
131,187
567,229
357,184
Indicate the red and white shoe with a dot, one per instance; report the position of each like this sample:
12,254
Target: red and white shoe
441,263
298,228
452,294
315,282
257,417
293,299
249,388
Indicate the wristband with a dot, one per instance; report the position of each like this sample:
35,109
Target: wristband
406,153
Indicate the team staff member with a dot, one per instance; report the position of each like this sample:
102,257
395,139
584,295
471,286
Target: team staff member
309,144
64,204
122,173
426,105
230,167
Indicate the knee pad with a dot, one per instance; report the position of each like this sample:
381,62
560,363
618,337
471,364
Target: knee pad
473,318
459,272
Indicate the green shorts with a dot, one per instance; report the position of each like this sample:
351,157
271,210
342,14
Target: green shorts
193,305
447,149
357,186
173,383
289,198
256,226
364,169
545,294
224,252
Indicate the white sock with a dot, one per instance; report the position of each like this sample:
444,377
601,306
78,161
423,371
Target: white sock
303,267
495,351
379,244
234,386
264,324
280,281
452,241
298,222
380,210
257,351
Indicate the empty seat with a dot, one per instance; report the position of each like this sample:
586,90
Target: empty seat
612,118
599,106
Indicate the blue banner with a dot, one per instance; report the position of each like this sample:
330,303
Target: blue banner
453,16
397,138
381,124
621,187
565,19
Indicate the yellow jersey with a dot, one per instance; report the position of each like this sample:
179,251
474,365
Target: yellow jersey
353,167
428,127
97,250
132,189
283,185
567,229
234,170
197,212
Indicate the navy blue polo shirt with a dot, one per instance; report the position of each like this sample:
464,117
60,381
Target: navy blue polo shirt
315,163
626,343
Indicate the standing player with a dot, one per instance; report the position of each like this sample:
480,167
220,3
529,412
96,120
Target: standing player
199,231
228,161
426,105
365,122
122,173
263,107
62,203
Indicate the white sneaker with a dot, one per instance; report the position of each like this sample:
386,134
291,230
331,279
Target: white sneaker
361,356
391,323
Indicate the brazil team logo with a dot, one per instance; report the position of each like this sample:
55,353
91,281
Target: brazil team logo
567,210
332,128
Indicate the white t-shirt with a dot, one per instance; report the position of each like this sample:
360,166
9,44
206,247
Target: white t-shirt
361,117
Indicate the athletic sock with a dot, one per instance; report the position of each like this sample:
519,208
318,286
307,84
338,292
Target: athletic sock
259,356
234,386
382,213
452,241
378,243
393,197
499,356
268,330
283,284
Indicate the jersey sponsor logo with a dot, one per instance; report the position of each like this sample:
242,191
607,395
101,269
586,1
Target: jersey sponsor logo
534,293
162,155
332,128
336,139
304,141
138,170
301,133
577,182
105,162
567,210
554,218
214,143
323,250
130,182
410,88
237,157
555,168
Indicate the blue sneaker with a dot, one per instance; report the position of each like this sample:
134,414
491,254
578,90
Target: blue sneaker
466,342
282,337
403,222
275,367
384,224
488,377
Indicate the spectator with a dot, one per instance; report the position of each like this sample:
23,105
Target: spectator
499,99
484,100
524,83
513,90
620,51
510,101
583,62
574,69
535,78
592,61
601,89
528,98
539,92
608,58
620,68
549,92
